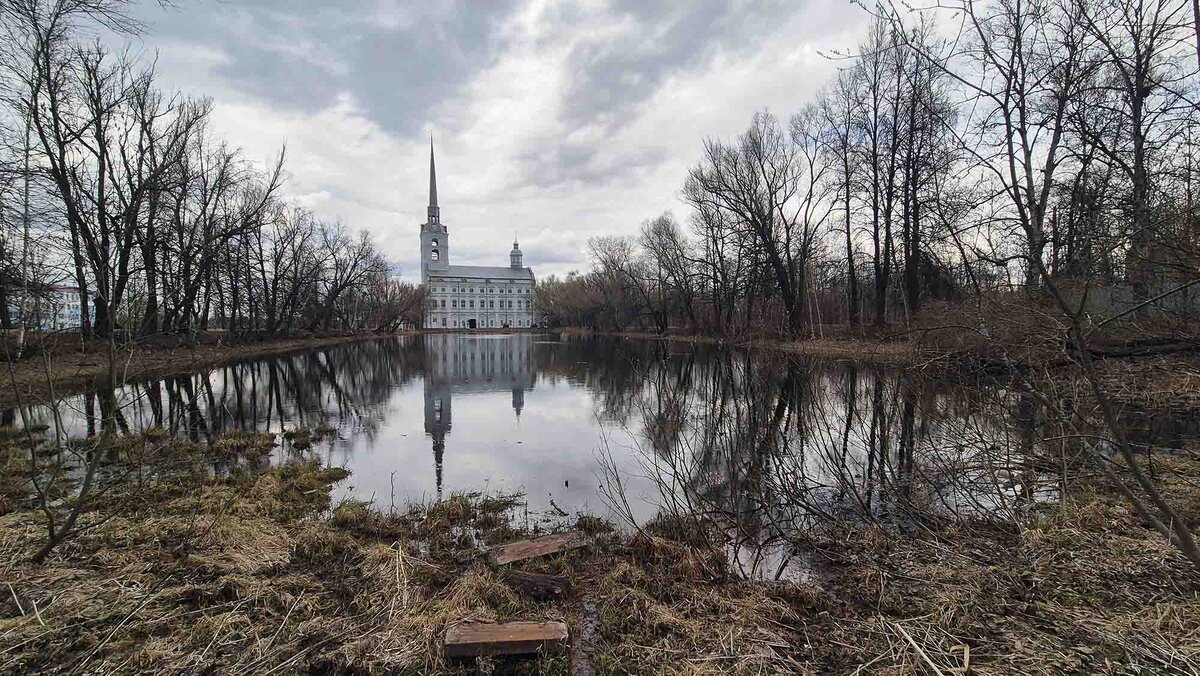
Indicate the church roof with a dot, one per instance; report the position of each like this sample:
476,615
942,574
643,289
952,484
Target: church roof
432,178
484,272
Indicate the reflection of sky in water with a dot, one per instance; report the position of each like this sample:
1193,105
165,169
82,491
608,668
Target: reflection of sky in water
424,416
546,452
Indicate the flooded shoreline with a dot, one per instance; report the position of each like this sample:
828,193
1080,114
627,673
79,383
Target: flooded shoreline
813,510
416,417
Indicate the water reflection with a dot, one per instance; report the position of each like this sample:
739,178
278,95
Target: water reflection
773,442
457,364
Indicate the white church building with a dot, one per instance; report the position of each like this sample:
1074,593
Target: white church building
470,296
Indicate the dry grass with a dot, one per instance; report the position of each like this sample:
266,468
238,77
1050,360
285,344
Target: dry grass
255,571
1085,589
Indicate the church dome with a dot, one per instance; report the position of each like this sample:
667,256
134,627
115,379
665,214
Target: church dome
515,256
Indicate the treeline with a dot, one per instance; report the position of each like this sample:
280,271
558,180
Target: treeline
125,194
1045,147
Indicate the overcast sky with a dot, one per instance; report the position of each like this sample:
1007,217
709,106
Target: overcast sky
553,121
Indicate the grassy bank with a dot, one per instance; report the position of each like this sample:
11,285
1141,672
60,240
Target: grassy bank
67,368
1149,365
252,569
889,352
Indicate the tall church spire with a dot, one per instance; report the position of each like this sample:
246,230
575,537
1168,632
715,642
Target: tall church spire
434,211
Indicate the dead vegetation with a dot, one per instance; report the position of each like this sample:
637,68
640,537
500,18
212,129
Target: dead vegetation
61,362
213,560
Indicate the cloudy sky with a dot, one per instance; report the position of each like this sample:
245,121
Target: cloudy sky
553,121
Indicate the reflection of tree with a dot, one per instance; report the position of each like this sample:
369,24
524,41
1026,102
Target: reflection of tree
341,385
776,443
611,370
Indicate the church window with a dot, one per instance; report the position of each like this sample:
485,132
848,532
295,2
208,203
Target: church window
434,255
435,241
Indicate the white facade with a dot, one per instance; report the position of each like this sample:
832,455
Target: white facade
54,310
470,296
469,301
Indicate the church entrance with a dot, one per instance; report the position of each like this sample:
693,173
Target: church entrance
471,324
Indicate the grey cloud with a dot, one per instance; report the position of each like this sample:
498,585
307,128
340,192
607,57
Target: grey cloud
302,54
609,79
400,62
560,164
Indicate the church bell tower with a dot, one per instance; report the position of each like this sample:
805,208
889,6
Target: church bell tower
435,241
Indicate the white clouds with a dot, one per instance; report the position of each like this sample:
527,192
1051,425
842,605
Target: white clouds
521,148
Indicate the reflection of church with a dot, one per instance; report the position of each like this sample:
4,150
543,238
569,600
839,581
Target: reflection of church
466,364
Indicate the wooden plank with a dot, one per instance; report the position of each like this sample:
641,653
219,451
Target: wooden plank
509,638
584,639
536,586
528,549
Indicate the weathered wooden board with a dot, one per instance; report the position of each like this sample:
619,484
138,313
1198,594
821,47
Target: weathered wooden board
584,639
536,586
509,638
528,549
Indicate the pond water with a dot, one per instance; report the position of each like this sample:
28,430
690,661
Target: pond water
613,427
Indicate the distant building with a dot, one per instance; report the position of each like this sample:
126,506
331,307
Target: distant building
470,296
53,308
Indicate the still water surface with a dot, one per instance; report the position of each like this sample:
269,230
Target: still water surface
561,419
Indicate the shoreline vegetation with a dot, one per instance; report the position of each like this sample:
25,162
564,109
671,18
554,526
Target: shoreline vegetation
1150,381
72,370
255,570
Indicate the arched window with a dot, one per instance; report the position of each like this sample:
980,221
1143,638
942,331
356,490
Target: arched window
434,255
435,241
